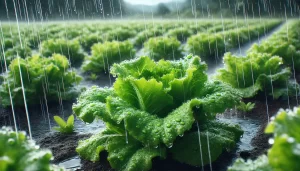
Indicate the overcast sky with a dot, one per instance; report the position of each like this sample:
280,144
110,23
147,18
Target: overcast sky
149,2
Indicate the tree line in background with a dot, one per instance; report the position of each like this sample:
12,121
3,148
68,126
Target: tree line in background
111,9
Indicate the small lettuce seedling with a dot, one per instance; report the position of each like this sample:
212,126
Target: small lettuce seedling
65,127
246,107
93,77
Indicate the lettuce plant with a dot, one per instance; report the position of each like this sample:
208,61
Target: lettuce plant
284,153
69,48
154,105
119,34
107,53
16,51
284,43
18,153
88,40
42,78
246,107
209,45
180,33
143,36
163,48
65,127
257,72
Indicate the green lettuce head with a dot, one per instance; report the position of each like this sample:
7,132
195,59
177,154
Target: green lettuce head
257,72
154,105
42,78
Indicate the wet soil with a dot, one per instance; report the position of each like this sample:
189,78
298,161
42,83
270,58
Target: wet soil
62,145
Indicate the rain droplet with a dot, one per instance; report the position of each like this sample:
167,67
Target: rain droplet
271,141
11,141
290,140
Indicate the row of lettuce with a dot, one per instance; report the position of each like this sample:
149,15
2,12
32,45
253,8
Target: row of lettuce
209,43
155,109
279,59
48,74
168,108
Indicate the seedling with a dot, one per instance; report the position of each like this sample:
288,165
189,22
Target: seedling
65,127
246,107
93,77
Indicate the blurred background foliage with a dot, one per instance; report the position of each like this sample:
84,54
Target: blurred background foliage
42,10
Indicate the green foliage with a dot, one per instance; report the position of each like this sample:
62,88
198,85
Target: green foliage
257,72
69,48
107,53
260,164
88,40
210,45
42,78
18,153
180,33
65,127
119,34
131,156
284,43
215,138
284,153
246,107
163,48
16,51
151,105
93,77
143,36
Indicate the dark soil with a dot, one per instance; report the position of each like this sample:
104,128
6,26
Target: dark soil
260,141
62,145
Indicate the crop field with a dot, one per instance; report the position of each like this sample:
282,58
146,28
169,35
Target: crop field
139,95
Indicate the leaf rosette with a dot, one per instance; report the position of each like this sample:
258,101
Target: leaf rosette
153,104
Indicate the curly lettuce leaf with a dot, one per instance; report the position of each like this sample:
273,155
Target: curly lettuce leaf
42,78
91,104
283,43
260,164
18,153
69,48
215,137
258,72
285,152
103,55
151,129
163,48
146,95
131,156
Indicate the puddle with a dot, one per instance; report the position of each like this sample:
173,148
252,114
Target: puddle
71,164
249,126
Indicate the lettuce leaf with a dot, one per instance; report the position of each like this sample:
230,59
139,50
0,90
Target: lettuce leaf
257,72
18,153
260,164
131,156
215,137
42,78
